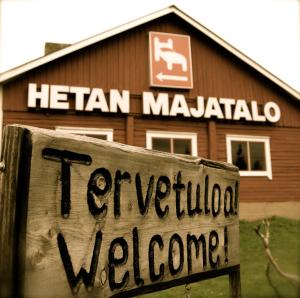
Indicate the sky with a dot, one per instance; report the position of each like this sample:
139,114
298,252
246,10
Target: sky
267,31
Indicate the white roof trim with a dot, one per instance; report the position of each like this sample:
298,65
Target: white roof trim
172,9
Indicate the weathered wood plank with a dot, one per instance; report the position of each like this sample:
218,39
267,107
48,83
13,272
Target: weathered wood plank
13,151
235,284
105,219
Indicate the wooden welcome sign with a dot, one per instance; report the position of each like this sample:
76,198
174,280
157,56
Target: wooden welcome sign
88,218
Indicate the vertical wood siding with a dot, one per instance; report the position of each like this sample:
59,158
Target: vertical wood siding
121,62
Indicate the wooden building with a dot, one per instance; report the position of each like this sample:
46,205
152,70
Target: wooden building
166,82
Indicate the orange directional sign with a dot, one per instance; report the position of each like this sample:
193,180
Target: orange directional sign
170,60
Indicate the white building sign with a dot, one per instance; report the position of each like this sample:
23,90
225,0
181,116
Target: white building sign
58,97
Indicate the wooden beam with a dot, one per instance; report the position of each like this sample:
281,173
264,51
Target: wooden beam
130,130
14,169
235,284
212,140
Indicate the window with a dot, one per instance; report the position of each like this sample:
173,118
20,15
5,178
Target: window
99,133
173,142
250,154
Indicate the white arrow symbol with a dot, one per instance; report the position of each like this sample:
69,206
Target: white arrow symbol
164,77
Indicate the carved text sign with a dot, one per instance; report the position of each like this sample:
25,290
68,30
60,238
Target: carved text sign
99,219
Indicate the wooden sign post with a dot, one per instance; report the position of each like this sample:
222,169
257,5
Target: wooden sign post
89,218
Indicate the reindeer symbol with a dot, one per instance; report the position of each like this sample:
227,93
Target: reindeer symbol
170,56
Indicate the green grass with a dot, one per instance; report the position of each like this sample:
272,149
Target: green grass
285,247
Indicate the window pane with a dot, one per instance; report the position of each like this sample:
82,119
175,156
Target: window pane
239,154
182,146
257,156
161,144
101,137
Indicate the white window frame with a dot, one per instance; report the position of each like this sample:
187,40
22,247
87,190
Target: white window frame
172,135
108,132
247,138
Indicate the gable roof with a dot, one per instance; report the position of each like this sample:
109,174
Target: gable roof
12,73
